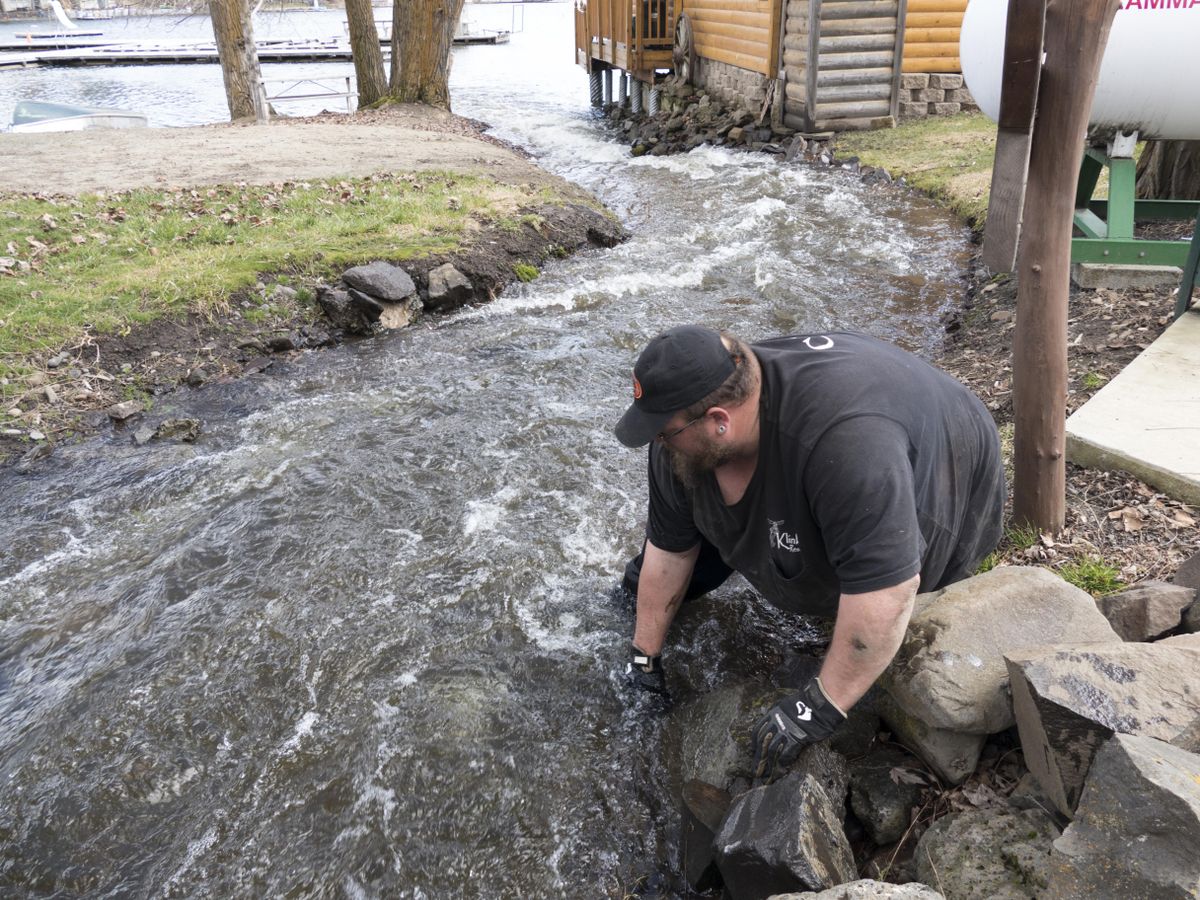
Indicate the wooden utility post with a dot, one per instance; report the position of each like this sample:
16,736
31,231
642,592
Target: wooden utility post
1075,37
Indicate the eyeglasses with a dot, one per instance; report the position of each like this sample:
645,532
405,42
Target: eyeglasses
663,437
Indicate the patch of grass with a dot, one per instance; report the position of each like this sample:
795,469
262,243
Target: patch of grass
69,265
948,157
1093,381
1092,575
1015,539
525,272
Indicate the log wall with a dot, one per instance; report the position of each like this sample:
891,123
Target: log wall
931,32
742,33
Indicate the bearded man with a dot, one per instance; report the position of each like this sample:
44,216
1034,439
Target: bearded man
839,474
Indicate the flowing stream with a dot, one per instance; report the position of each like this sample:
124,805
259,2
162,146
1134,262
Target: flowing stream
357,640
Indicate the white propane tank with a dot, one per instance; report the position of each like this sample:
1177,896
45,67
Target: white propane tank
1149,80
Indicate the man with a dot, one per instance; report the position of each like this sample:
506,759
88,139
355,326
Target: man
837,473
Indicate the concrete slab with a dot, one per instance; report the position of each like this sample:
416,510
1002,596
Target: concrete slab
1121,278
1146,421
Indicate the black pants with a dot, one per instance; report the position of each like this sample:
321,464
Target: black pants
709,573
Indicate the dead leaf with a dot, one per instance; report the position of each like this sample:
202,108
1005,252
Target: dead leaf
1132,520
1183,518
902,775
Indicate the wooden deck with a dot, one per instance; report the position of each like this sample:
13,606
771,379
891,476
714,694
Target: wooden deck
631,35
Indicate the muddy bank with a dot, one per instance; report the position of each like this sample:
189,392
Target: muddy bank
73,389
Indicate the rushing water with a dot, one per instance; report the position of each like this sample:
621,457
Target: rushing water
356,641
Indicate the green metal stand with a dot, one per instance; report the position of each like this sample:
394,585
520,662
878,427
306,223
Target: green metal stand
1191,274
1107,225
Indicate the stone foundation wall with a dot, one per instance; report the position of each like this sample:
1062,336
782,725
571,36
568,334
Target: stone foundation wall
734,86
924,95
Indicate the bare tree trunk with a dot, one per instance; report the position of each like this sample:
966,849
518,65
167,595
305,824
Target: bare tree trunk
364,47
1075,35
422,35
1169,170
239,57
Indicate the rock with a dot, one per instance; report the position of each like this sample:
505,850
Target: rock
35,379
1070,700
368,307
449,288
197,376
1191,618
382,280
143,435
875,176
1146,611
281,293
950,671
401,315
989,854
341,311
121,411
1137,828
58,361
883,804
865,889
735,135
1188,574
796,148
704,808
952,755
708,750
785,836
282,343
186,430
50,394
33,455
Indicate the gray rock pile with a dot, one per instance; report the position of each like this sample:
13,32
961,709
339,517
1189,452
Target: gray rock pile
1109,728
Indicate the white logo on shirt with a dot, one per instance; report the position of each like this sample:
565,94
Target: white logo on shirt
783,540
820,342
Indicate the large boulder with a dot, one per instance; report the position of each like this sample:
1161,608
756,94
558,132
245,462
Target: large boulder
989,854
785,836
1146,611
1070,700
865,889
1137,830
951,754
706,729
381,280
950,670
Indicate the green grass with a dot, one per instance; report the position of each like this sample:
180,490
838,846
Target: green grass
948,157
103,263
525,272
1092,575
1093,381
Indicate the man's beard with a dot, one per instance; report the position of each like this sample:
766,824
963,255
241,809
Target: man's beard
690,468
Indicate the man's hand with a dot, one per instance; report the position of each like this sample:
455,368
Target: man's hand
645,672
790,726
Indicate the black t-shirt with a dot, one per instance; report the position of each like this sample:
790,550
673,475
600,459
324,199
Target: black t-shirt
873,467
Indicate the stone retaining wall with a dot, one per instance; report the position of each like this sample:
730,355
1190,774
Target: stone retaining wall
924,95
733,85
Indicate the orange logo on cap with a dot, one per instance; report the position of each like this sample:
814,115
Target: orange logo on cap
637,389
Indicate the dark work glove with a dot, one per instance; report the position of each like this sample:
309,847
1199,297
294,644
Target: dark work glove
645,672
791,725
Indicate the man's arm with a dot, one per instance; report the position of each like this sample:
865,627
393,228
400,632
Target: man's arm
869,630
661,587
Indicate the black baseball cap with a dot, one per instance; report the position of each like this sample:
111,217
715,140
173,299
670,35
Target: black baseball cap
678,368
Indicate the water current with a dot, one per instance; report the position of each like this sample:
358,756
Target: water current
356,641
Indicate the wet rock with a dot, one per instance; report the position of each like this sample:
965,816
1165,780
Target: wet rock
368,307
1137,828
950,670
872,175
709,750
1146,611
735,135
32,457
143,435
401,315
449,288
186,430
119,412
341,311
199,375
989,854
865,889
382,280
781,837
282,343
882,802
704,808
951,754
1070,700
796,148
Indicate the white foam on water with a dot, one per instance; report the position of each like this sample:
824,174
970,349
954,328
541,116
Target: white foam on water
303,729
195,850
487,515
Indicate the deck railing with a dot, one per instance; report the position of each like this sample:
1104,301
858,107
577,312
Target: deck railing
622,32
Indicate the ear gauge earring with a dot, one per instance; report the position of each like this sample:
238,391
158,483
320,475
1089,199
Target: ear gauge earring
720,429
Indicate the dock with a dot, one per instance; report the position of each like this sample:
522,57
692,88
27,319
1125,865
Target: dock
86,51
